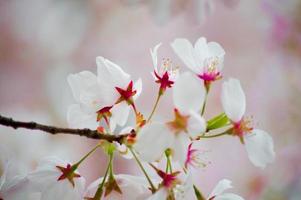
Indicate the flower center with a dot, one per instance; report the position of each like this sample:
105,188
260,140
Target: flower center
166,75
167,66
242,127
180,122
169,180
211,72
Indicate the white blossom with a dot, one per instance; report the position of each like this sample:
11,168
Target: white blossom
107,95
188,97
204,59
54,179
258,143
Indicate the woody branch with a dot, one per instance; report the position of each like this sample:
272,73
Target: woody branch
93,134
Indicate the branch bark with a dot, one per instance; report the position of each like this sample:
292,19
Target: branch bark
93,134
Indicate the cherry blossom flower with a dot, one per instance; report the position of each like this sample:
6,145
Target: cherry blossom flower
132,187
258,143
167,74
14,184
188,97
105,96
173,186
218,192
204,59
56,179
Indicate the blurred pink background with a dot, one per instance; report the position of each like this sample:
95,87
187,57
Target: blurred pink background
42,41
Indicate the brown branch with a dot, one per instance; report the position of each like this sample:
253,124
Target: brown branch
5,121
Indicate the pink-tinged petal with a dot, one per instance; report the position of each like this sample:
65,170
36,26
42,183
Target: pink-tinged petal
152,141
233,99
188,93
184,49
196,125
120,113
154,54
161,194
228,196
138,88
260,148
76,118
110,72
179,148
80,82
221,186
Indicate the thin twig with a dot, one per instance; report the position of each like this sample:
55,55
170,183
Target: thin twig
93,134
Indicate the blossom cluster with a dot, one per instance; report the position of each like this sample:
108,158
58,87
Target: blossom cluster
104,102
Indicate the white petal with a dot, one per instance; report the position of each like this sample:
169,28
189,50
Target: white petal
260,148
80,82
161,194
228,196
196,125
201,52
124,151
120,113
152,141
188,93
215,49
111,72
78,119
154,54
64,190
185,190
233,99
138,87
220,187
112,125
95,98
184,49
180,147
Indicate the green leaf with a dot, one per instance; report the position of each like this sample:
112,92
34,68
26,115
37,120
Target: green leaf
198,194
217,122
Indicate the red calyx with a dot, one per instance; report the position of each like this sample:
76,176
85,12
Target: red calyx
164,81
104,113
68,173
127,94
